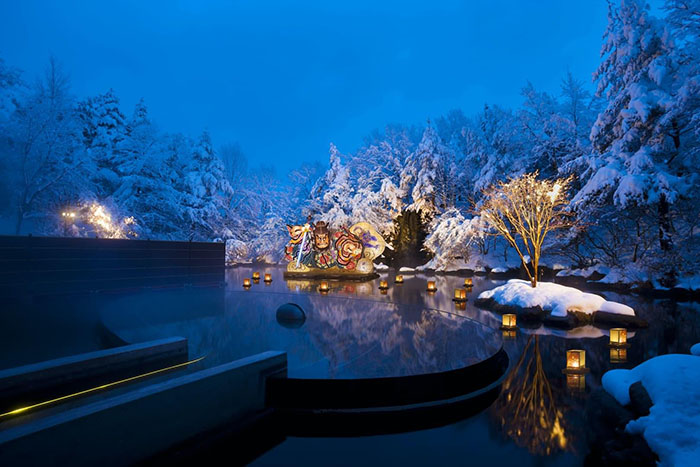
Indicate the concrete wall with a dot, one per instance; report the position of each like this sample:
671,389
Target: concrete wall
139,424
50,376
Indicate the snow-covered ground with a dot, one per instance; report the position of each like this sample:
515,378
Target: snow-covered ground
695,350
550,296
672,428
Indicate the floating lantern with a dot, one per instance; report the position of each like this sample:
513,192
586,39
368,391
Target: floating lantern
432,287
468,282
324,287
460,295
618,337
575,362
256,276
509,321
576,382
399,279
618,354
246,283
268,278
383,285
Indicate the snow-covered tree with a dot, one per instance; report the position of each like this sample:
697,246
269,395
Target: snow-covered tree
634,135
452,236
331,197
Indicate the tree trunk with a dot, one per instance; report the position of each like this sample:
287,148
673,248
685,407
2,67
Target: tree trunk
18,221
665,242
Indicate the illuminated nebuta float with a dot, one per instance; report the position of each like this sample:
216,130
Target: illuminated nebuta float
315,251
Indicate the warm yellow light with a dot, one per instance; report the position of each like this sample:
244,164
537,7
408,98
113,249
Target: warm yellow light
383,285
468,282
98,388
246,282
460,294
618,354
256,276
399,279
576,382
509,321
618,336
575,359
268,277
431,286
461,305
324,287
509,333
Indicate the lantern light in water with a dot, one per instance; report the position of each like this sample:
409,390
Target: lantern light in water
246,283
256,276
383,285
575,362
618,337
324,287
431,286
468,282
509,321
399,279
460,295
268,278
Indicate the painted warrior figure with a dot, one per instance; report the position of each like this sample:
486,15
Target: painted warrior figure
316,247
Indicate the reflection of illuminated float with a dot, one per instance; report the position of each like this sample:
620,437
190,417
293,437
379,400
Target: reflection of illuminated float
315,251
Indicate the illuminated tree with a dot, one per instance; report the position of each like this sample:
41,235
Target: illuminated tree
524,210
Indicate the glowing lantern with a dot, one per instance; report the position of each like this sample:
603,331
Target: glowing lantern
383,285
268,278
576,361
468,282
256,276
618,354
509,321
246,283
324,287
432,287
618,337
399,279
460,295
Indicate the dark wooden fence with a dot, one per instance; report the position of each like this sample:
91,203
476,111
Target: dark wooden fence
49,265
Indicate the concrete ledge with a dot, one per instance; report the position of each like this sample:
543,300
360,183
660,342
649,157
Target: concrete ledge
137,425
54,375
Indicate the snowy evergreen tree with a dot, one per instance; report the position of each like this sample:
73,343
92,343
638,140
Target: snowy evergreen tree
332,195
633,136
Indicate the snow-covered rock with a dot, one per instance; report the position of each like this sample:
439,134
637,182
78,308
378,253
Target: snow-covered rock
672,428
695,350
381,267
550,296
498,270
407,269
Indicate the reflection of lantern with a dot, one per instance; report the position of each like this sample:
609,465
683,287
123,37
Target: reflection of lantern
576,382
383,285
383,291
256,276
461,305
460,295
618,354
324,287
509,333
509,321
268,278
576,361
399,279
618,336
468,282
431,286
246,283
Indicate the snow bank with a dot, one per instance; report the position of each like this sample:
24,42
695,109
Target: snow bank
550,296
405,269
672,428
381,267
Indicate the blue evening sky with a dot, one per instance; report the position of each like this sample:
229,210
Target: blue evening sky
287,78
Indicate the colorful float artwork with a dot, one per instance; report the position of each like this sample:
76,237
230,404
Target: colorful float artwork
315,250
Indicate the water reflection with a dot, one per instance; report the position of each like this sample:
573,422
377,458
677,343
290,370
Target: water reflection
527,410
